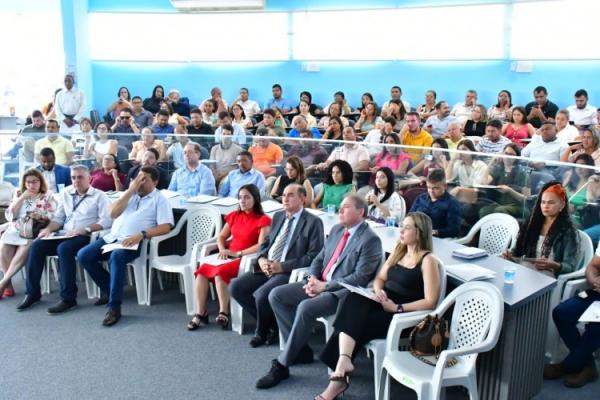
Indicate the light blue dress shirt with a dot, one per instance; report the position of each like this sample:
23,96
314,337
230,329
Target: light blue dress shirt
280,103
193,183
236,179
238,136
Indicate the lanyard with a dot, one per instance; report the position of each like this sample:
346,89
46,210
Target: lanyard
75,205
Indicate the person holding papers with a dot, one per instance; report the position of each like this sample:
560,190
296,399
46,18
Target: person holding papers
408,281
141,213
549,242
32,200
579,367
194,178
248,228
82,210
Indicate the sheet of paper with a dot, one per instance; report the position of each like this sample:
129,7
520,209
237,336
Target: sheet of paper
365,292
56,236
270,206
117,246
469,272
592,314
202,198
169,194
214,259
485,186
225,201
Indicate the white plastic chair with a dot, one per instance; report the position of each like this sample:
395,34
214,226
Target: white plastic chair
497,233
377,346
475,328
586,253
236,310
203,226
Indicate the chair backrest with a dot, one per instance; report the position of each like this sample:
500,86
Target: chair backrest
411,194
586,250
497,232
203,223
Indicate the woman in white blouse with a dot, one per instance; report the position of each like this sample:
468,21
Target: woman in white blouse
304,109
383,200
466,171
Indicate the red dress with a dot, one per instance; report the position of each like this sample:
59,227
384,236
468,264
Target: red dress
245,230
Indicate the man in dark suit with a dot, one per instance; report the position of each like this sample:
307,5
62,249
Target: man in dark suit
55,174
150,160
295,240
352,254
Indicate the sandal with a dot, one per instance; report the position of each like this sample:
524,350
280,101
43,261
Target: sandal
345,379
222,319
197,321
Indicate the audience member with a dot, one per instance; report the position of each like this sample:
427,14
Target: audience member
368,120
149,159
243,176
248,228
179,105
140,214
81,211
224,154
339,100
392,156
279,122
313,109
294,174
397,111
85,137
501,110
454,135
466,171
396,96
413,135
175,150
565,131
545,146
125,124
549,243
195,178
152,104
589,145
351,254
518,127
582,114
338,182
240,118
365,99
541,110
278,101
141,116
475,126
311,152
162,127
333,111
32,200
239,134
408,281
250,107
148,141
427,109
493,142
69,105
268,121
434,159
216,97
437,124
294,241
62,147
109,176
334,130
266,154
382,199
463,111
375,137
443,209
199,127
54,174
123,101
103,145
353,153
575,181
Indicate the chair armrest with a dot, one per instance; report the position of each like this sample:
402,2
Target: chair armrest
206,249
398,324
298,274
573,286
246,262
463,240
580,273
4,227
172,233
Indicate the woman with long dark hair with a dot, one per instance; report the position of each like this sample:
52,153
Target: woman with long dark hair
109,176
501,110
152,103
383,199
392,156
518,128
549,242
294,173
123,101
338,182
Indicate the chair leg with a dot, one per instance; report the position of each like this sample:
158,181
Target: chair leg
471,385
160,280
129,277
141,278
150,276
46,280
384,386
181,284
213,295
90,286
237,315
190,298
378,354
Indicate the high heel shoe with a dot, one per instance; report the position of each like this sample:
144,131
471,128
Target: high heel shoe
345,379
222,319
201,321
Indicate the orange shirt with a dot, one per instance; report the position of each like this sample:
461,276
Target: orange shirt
265,158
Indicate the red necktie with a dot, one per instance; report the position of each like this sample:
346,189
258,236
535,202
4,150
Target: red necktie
336,255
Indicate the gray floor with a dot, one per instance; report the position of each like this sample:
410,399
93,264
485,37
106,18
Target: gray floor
151,355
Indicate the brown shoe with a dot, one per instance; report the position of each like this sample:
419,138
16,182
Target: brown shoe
554,371
579,379
112,317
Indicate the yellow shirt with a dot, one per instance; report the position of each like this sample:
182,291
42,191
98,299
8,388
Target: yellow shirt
60,146
423,139
452,145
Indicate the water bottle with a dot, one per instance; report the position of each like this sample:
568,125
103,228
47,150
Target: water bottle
331,210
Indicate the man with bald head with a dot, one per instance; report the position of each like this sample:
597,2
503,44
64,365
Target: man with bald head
69,105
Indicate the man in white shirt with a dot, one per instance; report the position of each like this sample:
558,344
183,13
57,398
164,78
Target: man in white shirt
353,153
582,114
546,146
82,210
216,95
250,107
564,130
437,125
396,94
462,111
69,105
141,213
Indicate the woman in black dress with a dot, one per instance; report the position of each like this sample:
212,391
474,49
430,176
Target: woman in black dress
408,281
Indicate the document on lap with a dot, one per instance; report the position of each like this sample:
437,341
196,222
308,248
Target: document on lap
592,314
57,236
214,259
365,292
118,246
169,194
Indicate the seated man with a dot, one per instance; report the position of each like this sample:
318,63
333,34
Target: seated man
244,175
125,124
239,134
150,159
268,121
352,254
462,111
55,174
82,210
541,109
353,153
28,135
310,152
278,101
142,118
141,213
162,127
250,107
198,127
493,142
443,209
582,114
545,146
62,147
224,154
266,154
579,367
295,239
299,123
194,178
437,124
175,151
413,135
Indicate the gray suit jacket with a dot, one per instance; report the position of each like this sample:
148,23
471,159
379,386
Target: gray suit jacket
358,262
305,244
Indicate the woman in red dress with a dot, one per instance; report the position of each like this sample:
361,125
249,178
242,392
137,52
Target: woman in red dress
248,228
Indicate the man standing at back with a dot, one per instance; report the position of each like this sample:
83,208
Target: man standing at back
352,254
69,106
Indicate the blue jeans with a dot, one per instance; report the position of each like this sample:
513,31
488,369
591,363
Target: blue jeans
65,250
581,347
112,283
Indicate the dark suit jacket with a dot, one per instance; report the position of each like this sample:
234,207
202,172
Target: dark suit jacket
62,175
163,180
305,244
359,261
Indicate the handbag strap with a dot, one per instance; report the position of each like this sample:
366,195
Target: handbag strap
449,363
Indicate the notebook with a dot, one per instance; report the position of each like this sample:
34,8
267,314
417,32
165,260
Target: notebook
469,272
225,201
270,206
202,198
469,253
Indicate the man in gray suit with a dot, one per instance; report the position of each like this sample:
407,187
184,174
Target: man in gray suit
295,239
352,254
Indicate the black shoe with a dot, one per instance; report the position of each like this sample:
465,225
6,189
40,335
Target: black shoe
257,341
27,302
304,357
102,301
272,337
112,317
277,373
61,307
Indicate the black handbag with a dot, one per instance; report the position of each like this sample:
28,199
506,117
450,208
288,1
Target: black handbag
429,338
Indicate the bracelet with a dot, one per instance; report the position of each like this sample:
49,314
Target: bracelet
399,309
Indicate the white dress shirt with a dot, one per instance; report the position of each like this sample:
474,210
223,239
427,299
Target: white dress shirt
462,112
92,208
583,116
539,150
69,102
567,134
250,107
353,155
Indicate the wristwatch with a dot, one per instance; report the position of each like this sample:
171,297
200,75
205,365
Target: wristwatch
399,309
88,229
144,234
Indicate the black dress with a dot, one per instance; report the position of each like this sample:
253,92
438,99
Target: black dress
364,320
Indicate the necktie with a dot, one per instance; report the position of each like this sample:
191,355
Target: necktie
281,239
336,255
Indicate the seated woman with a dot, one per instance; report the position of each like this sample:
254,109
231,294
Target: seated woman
33,199
280,121
209,113
369,119
510,177
102,145
589,145
152,103
338,182
334,129
576,183
427,109
139,147
174,118
333,111
436,159
396,110
239,117
109,177
501,110
123,101
365,99
466,171
304,110
248,228
294,173
476,125
518,128
549,243
313,109
408,281
383,200
392,156
84,139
